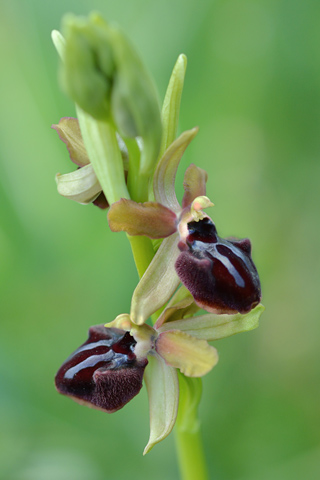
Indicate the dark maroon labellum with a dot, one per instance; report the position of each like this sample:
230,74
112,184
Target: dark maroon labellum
218,272
104,372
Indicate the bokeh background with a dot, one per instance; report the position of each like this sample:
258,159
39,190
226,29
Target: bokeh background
252,86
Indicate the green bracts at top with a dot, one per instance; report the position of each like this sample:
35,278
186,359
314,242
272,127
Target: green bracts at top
104,75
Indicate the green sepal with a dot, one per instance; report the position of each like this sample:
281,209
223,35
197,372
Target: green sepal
214,327
165,174
171,104
163,392
158,283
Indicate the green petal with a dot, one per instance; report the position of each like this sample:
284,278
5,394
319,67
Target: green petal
158,282
165,174
69,132
192,356
194,184
163,392
150,219
181,305
81,185
213,327
171,103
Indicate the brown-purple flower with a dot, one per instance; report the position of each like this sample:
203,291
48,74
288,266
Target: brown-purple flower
219,273
104,372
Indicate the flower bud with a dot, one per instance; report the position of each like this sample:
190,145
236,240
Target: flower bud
88,66
104,372
104,75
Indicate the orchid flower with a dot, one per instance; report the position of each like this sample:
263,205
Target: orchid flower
125,148
218,272
106,372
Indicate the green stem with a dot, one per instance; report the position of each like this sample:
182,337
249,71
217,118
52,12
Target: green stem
143,252
190,455
189,445
104,153
142,248
138,183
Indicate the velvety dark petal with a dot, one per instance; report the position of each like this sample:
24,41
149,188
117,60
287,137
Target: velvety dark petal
104,372
219,273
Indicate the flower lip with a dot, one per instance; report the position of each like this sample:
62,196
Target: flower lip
104,371
219,273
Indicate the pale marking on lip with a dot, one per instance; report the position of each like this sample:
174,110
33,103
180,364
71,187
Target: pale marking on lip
89,346
231,269
89,362
223,259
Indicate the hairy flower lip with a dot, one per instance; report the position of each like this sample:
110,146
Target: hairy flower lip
103,372
218,272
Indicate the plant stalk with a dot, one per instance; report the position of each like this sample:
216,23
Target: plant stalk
191,459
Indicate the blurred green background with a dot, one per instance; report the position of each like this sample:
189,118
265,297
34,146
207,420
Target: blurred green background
252,86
